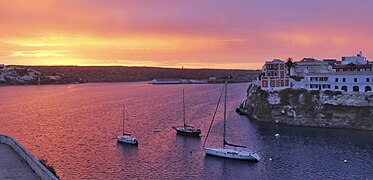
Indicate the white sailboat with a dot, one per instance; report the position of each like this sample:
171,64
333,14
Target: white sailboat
226,152
126,137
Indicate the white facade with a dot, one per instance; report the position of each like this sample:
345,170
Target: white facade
309,65
166,81
339,81
354,60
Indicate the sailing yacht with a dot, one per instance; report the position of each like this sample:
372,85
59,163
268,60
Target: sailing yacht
186,129
224,151
126,137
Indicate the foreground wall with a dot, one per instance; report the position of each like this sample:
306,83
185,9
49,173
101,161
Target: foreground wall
35,165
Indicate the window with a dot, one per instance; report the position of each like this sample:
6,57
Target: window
275,66
367,79
326,86
355,88
336,79
368,89
344,88
355,79
344,79
336,87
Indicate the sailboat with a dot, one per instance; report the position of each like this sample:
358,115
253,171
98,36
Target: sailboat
126,137
224,151
186,129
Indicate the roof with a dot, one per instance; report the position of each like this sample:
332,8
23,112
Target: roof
310,61
275,61
346,73
355,65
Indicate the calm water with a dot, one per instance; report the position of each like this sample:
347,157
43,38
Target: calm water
73,127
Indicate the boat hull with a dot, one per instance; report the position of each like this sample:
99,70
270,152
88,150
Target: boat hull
187,131
232,153
127,140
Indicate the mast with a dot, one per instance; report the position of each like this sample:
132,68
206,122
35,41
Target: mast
213,117
184,109
123,119
225,112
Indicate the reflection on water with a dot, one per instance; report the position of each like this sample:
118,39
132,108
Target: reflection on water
74,128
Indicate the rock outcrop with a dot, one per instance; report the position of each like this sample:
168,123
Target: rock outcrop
309,108
14,75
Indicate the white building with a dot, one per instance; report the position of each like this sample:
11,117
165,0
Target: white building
358,59
311,65
166,81
345,81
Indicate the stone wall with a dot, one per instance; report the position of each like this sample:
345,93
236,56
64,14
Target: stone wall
27,157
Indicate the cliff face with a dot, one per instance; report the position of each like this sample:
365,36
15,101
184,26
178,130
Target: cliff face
310,108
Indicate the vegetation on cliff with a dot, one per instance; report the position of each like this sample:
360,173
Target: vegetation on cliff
261,107
45,163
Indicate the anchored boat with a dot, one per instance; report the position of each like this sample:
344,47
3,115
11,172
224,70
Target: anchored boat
126,137
186,129
224,151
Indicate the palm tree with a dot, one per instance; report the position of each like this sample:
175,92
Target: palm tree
289,64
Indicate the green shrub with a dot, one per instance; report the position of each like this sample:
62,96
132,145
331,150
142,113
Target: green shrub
44,162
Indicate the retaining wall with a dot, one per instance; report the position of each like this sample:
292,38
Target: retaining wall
35,165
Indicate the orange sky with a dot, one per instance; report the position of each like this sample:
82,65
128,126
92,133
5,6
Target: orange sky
173,33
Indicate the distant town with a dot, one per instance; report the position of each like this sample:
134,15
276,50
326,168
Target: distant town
351,74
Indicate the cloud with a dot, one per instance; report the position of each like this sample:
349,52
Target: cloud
209,33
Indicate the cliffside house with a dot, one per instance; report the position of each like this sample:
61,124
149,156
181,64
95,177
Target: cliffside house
344,81
274,76
358,59
351,75
353,63
311,65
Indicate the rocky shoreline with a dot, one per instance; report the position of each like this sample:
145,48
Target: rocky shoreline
299,107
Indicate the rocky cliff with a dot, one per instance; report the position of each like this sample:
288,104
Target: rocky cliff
309,108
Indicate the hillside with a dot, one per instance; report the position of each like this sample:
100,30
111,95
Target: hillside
125,74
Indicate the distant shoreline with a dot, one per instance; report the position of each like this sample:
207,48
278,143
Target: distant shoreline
85,74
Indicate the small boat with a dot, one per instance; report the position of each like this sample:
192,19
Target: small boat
186,129
226,152
126,137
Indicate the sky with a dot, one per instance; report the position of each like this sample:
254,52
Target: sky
225,34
